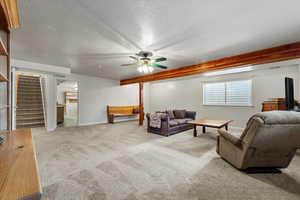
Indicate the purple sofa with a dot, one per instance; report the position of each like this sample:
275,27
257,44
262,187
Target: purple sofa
172,123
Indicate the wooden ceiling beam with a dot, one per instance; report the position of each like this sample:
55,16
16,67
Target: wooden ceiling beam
275,54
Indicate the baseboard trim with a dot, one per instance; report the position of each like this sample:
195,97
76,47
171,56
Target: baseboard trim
91,123
99,123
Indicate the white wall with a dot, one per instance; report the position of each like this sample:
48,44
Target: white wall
96,93
186,93
50,101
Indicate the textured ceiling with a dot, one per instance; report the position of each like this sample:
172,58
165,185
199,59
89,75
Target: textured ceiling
94,37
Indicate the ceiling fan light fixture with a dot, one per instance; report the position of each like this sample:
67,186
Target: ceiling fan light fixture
140,69
145,69
150,69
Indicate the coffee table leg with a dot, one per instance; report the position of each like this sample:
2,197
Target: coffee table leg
195,131
226,127
203,129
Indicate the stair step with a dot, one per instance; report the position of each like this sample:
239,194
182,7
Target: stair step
26,87
30,118
29,78
30,125
29,84
21,103
28,121
30,106
29,97
27,101
20,87
29,113
29,110
30,93
29,81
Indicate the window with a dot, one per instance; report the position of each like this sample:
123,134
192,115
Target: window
234,93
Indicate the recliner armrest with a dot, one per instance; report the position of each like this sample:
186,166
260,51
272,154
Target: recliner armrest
231,138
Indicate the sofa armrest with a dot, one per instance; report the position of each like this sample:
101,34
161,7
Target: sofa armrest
165,117
190,114
165,123
229,137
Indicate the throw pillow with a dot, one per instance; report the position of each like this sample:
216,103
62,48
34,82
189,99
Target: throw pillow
179,114
171,114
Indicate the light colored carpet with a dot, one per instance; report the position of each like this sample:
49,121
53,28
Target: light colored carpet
122,161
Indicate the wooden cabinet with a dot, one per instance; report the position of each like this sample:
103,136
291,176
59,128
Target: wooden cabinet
60,113
273,104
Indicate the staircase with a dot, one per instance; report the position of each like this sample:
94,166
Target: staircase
29,102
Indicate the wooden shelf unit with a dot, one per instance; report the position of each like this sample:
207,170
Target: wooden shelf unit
3,78
9,20
3,51
71,97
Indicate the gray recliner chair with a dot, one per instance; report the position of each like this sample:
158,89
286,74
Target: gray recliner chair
270,140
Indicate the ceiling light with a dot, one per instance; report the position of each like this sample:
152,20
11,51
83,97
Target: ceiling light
229,71
150,69
145,68
140,69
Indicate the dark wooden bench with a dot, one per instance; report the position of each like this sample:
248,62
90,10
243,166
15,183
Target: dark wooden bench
121,111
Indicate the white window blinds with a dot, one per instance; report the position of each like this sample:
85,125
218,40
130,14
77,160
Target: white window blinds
214,93
228,93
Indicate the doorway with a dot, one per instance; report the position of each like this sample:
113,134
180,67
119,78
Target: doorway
67,103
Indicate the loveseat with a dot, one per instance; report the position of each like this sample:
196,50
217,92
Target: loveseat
172,122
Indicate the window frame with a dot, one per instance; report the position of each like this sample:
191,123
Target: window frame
228,105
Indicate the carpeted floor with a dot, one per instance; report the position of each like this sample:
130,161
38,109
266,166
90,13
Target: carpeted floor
122,161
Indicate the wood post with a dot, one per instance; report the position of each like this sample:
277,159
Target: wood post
141,103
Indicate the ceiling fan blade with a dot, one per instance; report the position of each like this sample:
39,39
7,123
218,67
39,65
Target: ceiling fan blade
101,55
134,58
159,66
130,64
160,59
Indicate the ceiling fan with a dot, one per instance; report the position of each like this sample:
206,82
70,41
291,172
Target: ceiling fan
145,63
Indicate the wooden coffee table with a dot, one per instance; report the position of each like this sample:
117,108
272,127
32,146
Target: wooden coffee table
212,123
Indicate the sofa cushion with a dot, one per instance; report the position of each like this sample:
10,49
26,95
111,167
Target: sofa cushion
173,123
171,114
179,114
182,121
188,119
